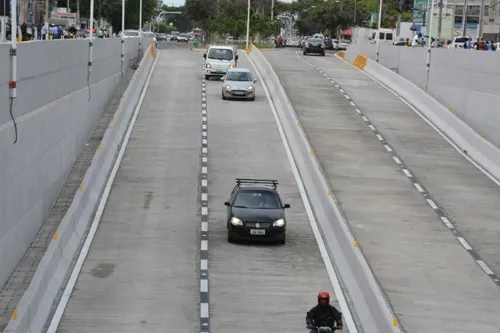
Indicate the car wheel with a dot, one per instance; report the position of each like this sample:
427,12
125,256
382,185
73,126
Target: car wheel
323,54
252,98
230,239
223,97
207,77
282,241
304,53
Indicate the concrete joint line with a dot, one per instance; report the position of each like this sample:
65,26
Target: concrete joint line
421,188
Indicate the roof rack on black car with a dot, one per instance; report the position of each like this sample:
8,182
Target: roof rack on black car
272,182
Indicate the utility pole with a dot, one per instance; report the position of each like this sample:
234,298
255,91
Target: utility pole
272,10
440,19
481,20
464,19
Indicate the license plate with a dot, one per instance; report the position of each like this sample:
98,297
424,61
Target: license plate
257,232
239,93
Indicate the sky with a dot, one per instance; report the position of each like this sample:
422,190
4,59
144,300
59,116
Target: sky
181,2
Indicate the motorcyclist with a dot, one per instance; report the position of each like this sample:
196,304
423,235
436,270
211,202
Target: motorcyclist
324,314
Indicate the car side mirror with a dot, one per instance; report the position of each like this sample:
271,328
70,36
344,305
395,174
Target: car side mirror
227,203
204,56
285,206
236,57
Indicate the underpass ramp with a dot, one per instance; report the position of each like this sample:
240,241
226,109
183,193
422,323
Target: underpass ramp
141,272
256,287
431,281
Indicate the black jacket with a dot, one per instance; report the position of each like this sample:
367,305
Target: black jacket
324,316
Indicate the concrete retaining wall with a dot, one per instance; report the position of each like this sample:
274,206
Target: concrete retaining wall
372,309
466,82
35,305
55,118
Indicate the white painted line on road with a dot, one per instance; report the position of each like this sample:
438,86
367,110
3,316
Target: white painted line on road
204,134
204,141
341,90
204,285
204,118
204,170
70,285
204,159
464,243
204,127
432,204
204,245
485,267
337,86
379,137
204,150
204,197
204,182
352,103
389,149
204,210
365,119
204,264
347,97
397,160
419,188
204,226
372,127
358,111
204,310
447,222
332,274
203,112
407,173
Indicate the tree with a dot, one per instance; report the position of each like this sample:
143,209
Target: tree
181,21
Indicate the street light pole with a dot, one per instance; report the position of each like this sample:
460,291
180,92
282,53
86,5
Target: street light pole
47,19
272,10
429,42
122,36
91,37
140,29
379,19
481,19
248,24
464,18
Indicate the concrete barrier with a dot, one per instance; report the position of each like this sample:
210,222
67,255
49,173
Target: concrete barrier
480,150
372,309
34,307
464,81
55,119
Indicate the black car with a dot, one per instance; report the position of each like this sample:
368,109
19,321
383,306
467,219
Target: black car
328,44
173,38
314,45
255,211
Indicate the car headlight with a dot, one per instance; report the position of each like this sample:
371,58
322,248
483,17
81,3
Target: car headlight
250,88
208,65
236,221
227,87
231,66
279,223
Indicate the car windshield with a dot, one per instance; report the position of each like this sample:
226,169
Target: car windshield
131,33
260,199
220,54
238,76
461,39
314,40
183,35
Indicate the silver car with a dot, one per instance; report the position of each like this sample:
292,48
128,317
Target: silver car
238,83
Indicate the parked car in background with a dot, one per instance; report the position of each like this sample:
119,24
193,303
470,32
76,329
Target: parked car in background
293,42
328,44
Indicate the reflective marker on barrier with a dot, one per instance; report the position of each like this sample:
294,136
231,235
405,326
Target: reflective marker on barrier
330,192
298,124
356,243
55,235
14,314
113,117
81,187
123,96
395,322
99,147
311,153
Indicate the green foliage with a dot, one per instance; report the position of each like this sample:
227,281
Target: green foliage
164,28
111,10
229,17
181,21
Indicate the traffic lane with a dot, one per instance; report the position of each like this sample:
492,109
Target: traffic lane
425,274
468,196
256,288
141,271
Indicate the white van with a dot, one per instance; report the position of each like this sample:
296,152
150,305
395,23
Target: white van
219,59
386,36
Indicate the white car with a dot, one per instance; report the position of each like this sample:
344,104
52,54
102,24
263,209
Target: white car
219,59
182,39
293,42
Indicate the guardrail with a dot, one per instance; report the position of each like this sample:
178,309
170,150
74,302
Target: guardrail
372,309
473,144
34,307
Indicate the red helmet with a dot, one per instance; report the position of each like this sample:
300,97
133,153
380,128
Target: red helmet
323,295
